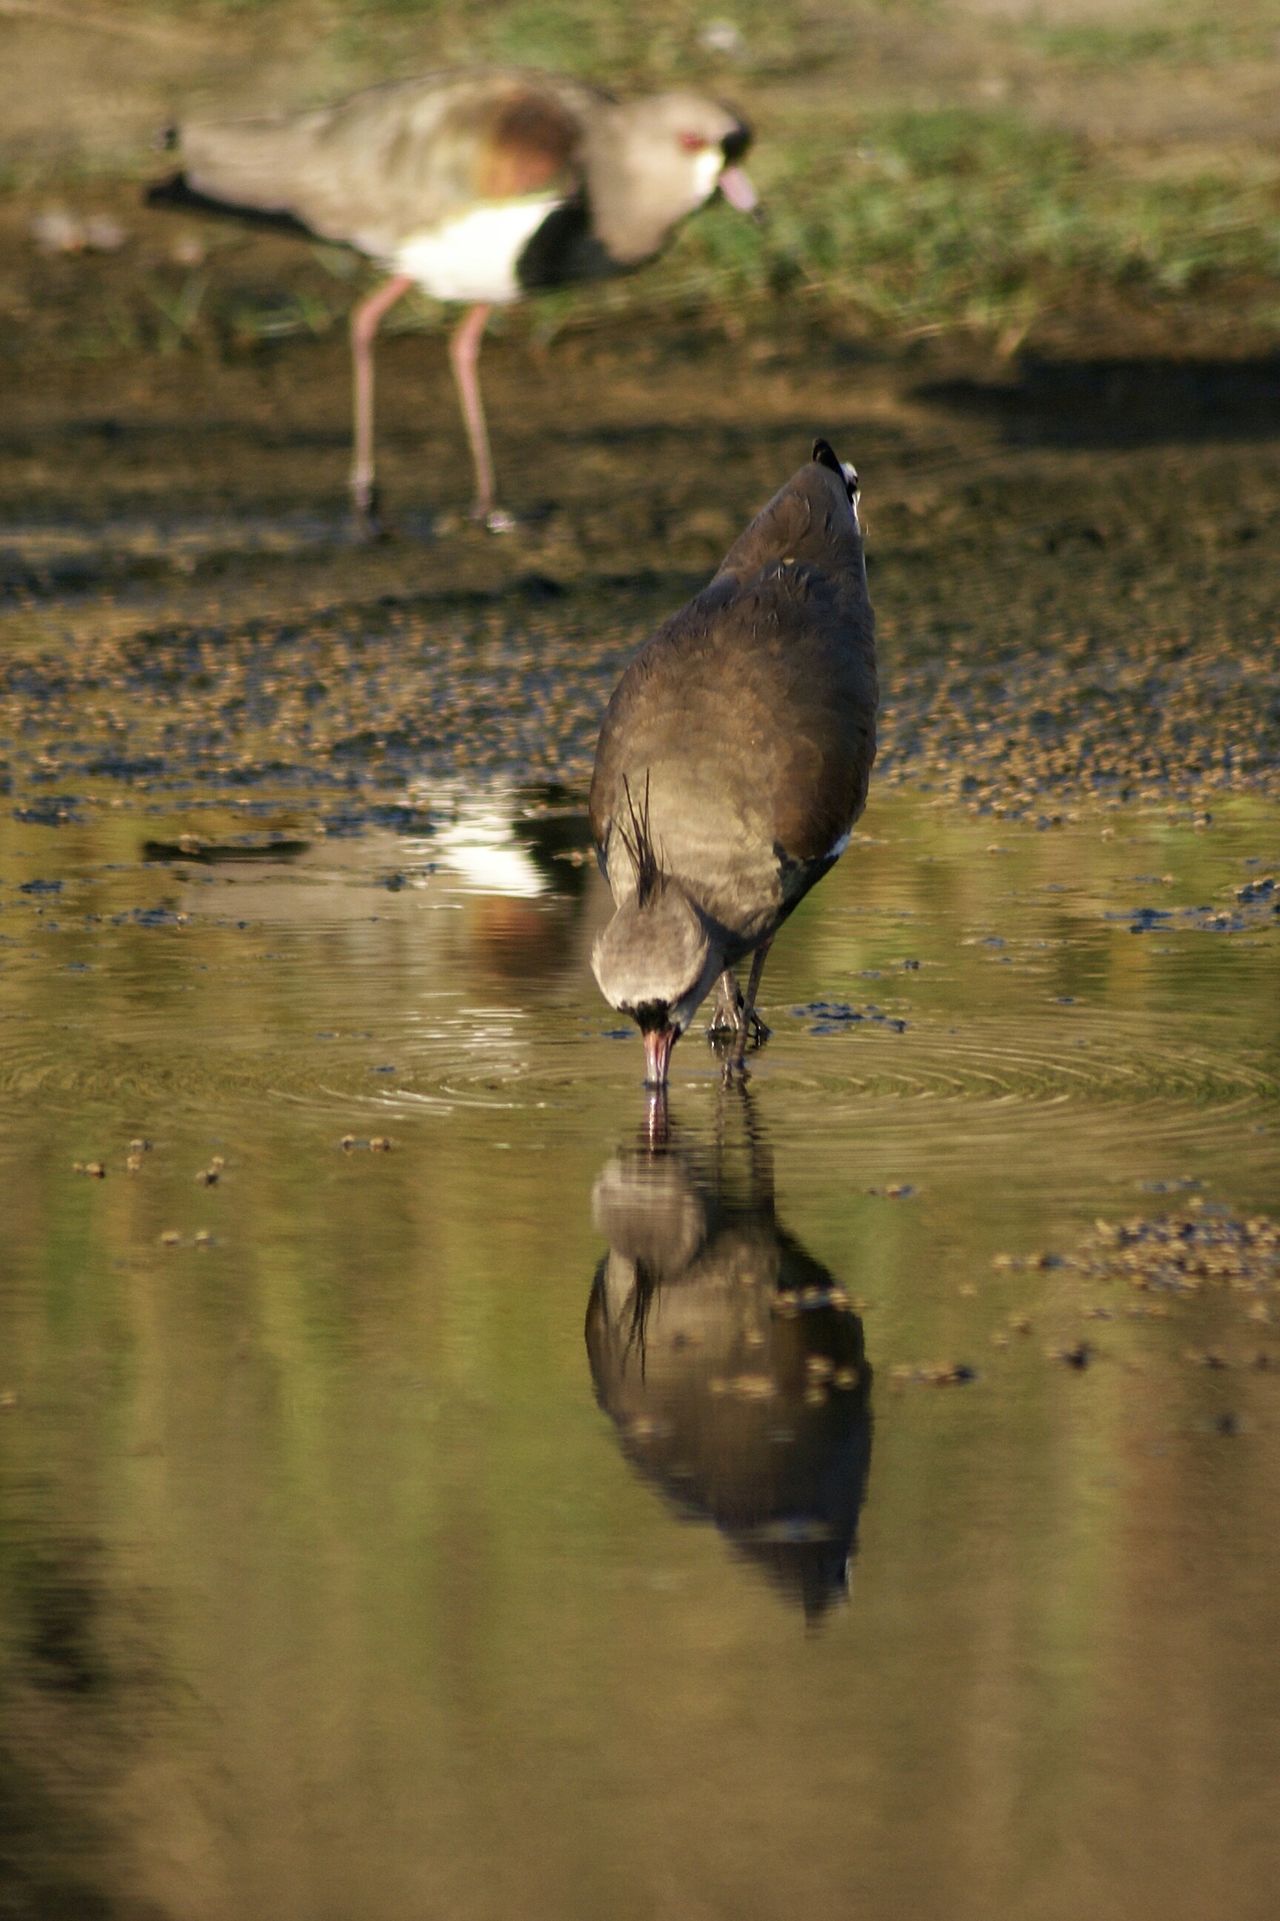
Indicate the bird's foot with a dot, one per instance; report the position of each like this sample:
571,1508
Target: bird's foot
725,1029
371,530
727,1017
366,513
496,519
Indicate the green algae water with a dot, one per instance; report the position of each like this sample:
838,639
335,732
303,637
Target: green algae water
428,1487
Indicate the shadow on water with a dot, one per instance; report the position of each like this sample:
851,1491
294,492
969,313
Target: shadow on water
731,1362
1130,402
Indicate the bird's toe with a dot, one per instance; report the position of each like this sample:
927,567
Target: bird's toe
370,528
366,512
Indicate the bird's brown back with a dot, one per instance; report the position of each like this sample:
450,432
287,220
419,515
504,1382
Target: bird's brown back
395,160
751,713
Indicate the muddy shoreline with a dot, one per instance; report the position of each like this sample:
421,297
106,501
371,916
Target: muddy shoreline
1072,561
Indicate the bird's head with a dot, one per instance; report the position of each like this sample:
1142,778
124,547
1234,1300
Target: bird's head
824,455
656,961
685,147
657,958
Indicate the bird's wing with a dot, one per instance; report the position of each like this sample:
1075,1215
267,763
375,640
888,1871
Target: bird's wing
397,160
752,716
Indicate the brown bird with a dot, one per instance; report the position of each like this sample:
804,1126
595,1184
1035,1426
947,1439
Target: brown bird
479,185
733,761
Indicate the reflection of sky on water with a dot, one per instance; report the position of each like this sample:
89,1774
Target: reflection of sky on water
503,840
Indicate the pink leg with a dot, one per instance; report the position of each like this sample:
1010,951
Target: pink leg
464,352
364,326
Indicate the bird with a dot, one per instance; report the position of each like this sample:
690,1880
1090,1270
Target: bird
733,760
479,185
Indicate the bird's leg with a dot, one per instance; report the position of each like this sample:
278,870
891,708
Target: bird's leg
750,1022
364,327
728,1009
464,354
732,1017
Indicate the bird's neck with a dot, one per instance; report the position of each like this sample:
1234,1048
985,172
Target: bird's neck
629,218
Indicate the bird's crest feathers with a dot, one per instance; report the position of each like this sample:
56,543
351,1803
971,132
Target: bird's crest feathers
826,456
638,841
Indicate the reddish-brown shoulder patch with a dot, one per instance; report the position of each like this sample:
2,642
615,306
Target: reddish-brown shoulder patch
530,141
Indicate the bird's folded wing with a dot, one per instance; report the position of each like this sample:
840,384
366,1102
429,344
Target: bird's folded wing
396,160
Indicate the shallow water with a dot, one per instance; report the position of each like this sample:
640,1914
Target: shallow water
459,1526
430,1482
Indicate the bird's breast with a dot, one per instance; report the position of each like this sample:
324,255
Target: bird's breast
473,255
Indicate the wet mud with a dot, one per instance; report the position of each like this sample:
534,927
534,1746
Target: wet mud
1073,562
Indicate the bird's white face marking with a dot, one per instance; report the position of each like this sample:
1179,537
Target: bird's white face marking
707,167
850,473
473,256
837,847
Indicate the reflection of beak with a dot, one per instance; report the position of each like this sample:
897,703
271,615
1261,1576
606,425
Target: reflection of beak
738,191
656,1130
658,1043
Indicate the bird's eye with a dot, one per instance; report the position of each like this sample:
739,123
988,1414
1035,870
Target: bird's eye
693,142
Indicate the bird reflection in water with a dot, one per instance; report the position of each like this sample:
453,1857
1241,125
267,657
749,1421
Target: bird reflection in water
730,1361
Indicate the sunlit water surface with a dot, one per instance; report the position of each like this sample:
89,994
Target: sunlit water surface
422,1493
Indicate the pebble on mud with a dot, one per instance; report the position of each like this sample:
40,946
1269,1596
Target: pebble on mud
934,1374
1183,1252
58,230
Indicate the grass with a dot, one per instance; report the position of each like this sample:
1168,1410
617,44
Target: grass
1183,41
963,219
897,199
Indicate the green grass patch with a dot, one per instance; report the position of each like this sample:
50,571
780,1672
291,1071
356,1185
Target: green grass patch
965,219
1173,37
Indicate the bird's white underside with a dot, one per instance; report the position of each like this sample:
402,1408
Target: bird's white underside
473,257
